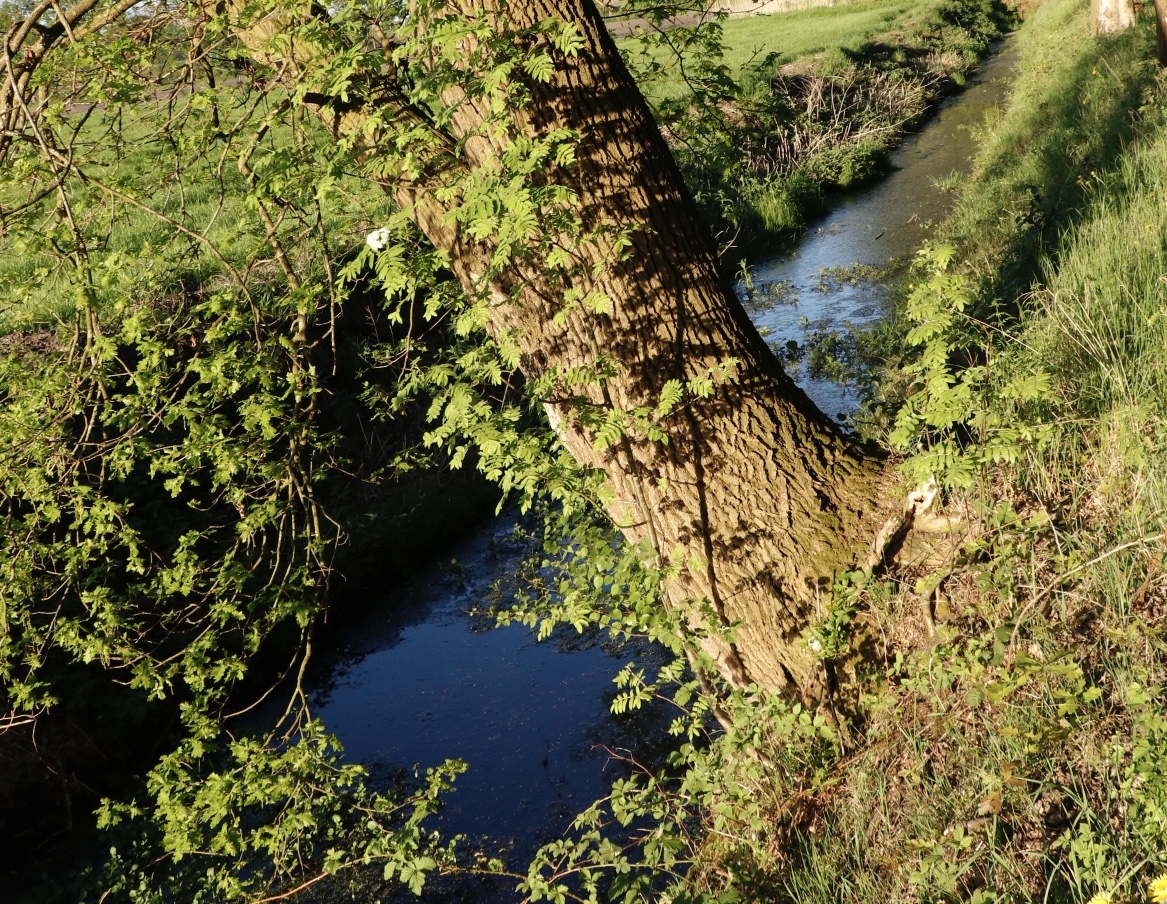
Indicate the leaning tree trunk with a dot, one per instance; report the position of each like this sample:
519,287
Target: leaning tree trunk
757,498
759,493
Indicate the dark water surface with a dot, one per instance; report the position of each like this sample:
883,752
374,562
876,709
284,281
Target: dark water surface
424,676
824,282
420,679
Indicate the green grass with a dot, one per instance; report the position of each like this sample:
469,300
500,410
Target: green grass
137,244
1064,222
794,36
1017,751
1069,120
802,33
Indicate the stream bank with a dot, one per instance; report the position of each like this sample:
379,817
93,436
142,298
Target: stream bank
842,273
422,676
817,103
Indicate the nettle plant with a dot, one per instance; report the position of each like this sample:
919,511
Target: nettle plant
966,411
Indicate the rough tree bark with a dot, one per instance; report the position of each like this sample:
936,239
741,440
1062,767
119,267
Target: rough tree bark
761,493
1109,17
757,494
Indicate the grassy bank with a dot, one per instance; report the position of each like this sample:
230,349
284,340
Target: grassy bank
1013,742
795,36
768,112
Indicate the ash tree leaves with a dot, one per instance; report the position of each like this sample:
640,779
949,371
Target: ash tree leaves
240,820
953,424
196,233
164,462
651,422
177,553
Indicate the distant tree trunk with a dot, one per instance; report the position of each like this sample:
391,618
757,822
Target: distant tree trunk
1109,17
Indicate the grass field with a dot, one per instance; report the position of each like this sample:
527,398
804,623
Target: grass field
801,33
193,223
796,35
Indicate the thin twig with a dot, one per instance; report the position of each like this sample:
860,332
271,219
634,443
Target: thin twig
1155,566
1062,578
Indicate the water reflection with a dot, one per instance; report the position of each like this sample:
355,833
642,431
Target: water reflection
837,275
420,679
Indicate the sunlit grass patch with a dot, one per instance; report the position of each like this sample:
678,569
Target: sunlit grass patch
165,206
794,35
1069,122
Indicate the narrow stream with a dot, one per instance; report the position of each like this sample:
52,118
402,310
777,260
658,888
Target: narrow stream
832,277
420,678
423,677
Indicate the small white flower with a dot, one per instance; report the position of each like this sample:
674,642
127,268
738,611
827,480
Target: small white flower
378,239
815,645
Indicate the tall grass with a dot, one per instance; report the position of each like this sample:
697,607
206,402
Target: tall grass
1014,744
1103,317
1071,117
